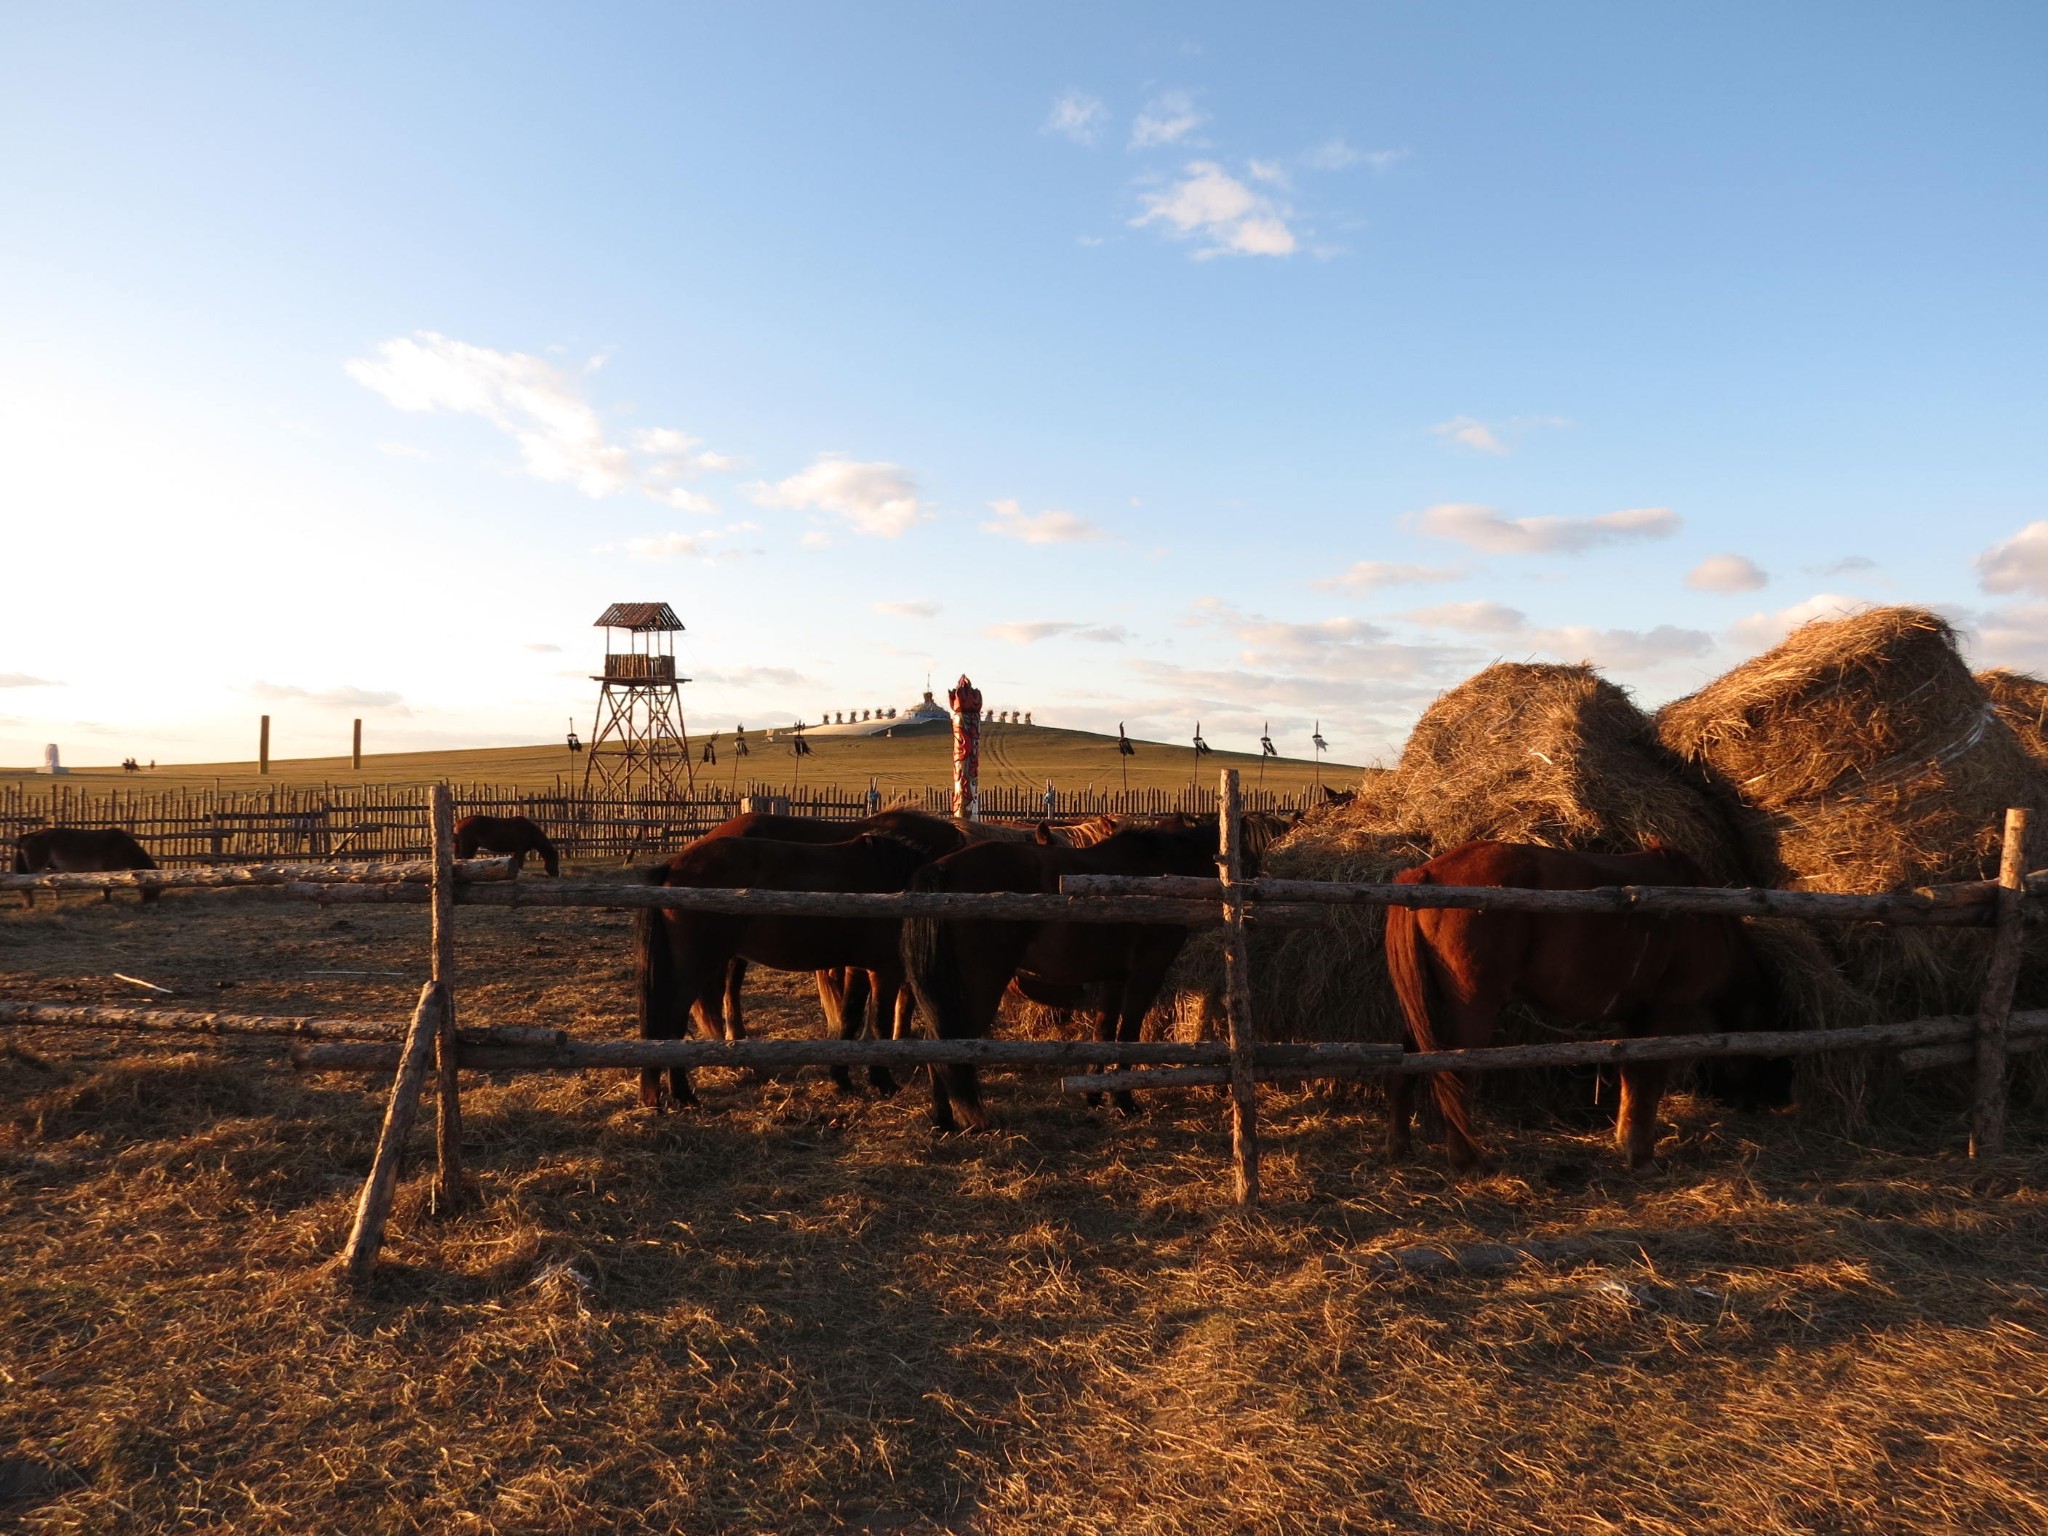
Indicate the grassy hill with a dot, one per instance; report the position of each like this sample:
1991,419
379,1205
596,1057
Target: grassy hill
1011,756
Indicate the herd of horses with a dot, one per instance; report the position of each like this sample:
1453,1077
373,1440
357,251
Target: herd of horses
1453,970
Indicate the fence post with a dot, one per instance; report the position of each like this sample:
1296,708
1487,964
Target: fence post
373,1207
1237,997
263,746
355,752
1994,1011
448,1123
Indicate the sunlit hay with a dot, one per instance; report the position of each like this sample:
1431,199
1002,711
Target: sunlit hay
2021,700
1554,755
1860,755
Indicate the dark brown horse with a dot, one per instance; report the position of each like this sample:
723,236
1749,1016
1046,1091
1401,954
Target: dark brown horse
1455,970
843,994
514,835
74,850
685,957
960,968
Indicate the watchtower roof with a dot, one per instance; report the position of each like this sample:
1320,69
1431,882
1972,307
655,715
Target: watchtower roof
638,617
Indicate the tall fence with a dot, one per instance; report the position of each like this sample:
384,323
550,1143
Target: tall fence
325,822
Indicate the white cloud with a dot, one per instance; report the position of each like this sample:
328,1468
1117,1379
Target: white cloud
2015,635
542,647
1480,617
1848,565
873,498
916,609
1167,119
403,451
23,680
1048,527
1486,529
1230,219
1371,575
1621,650
1760,631
1727,573
1048,629
1077,116
561,437
2020,564
345,697
1473,433
667,546
683,499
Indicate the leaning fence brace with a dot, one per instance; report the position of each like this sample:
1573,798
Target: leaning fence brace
1987,1038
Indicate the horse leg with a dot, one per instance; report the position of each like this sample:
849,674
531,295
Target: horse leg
843,995
1105,1031
1635,1128
735,1027
888,991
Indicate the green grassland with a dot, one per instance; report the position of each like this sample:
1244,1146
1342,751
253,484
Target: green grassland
1012,756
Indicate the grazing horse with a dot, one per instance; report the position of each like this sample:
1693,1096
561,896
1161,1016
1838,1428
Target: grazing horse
685,957
842,993
959,968
1454,970
515,835
74,850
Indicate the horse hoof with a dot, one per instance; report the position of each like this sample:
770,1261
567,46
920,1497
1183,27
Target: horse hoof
1126,1106
883,1083
1094,1100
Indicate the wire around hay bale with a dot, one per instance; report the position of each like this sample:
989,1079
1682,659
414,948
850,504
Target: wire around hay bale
2021,700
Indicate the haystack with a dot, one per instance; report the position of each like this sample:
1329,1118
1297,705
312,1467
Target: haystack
2021,700
1556,755
1861,755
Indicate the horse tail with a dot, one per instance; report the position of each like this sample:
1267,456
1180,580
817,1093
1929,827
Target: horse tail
931,964
1409,971
21,860
658,986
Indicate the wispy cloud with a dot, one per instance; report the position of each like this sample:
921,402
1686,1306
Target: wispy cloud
1223,215
560,436
23,680
1371,575
1479,617
1727,573
403,451
914,609
1336,155
2015,635
876,499
1472,433
1488,530
344,697
1848,565
1077,116
1760,631
1048,527
1167,119
2020,564
1050,629
542,647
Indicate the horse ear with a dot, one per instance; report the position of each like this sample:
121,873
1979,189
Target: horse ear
1043,836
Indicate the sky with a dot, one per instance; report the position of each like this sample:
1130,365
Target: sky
1152,363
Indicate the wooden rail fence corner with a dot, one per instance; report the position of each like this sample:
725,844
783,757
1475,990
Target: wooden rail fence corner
2001,976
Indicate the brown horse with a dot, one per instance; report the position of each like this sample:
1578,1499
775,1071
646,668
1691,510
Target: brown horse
1454,970
74,850
685,957
515,835
960,968
843,994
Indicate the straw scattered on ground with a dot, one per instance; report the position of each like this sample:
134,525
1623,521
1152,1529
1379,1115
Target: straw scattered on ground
797,1312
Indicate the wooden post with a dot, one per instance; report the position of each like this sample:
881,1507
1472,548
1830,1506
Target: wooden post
374,1206
1994,1014
355,755
448,1125
1237,998
263,746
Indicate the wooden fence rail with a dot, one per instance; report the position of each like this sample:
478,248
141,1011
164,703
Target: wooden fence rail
1231,902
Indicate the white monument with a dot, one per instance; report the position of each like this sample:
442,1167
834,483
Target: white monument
50,763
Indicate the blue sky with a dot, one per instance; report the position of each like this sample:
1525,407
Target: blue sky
1166,363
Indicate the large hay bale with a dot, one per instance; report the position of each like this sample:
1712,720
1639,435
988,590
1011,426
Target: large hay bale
2021,700
1861,755
1555,755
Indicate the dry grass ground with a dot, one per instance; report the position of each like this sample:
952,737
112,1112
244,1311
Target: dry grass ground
796,1312
1012,757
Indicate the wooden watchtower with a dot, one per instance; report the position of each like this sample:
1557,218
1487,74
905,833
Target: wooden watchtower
638,742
